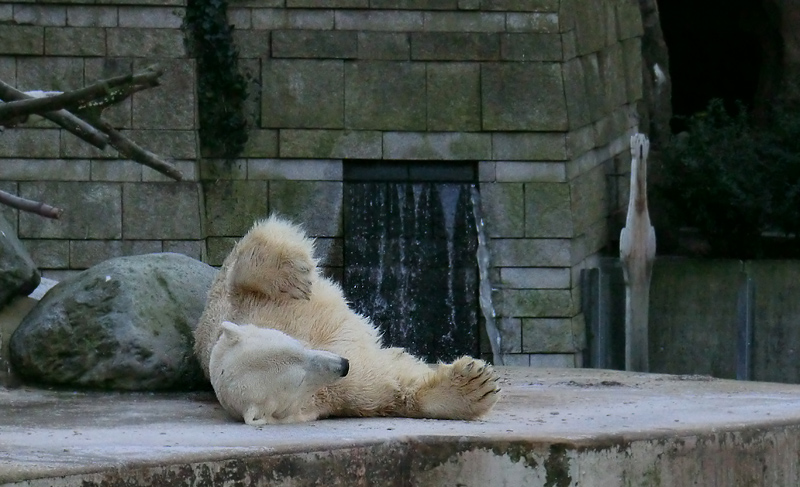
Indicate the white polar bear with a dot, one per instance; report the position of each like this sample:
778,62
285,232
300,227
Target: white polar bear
271,281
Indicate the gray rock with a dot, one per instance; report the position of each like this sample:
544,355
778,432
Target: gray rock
124,324
18,273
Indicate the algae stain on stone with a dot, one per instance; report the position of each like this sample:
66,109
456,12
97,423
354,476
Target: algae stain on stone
557,467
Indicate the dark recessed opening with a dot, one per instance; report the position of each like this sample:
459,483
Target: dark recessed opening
728,49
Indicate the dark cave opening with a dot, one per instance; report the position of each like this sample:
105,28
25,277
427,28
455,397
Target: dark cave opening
728,49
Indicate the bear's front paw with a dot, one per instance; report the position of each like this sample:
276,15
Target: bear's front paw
465,389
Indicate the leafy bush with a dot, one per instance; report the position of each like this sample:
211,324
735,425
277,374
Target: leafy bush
734,181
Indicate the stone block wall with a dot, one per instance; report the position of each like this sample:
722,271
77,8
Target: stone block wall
112,206
541,94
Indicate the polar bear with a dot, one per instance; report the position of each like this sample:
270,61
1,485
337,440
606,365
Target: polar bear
271,317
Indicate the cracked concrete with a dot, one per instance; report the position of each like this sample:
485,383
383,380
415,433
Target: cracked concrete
553,427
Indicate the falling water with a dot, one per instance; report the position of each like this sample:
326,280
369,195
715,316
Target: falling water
410,264
485,286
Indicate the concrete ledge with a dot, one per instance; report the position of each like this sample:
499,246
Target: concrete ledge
564,427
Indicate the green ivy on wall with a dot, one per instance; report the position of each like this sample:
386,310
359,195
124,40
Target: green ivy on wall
221,88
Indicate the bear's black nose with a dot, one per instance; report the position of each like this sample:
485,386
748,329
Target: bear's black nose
345,367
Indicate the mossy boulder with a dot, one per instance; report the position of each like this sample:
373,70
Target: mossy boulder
124,324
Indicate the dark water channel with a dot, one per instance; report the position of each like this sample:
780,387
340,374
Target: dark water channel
410,263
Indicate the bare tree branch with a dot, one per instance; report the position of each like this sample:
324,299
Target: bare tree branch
63,118
30,206
133,151
81,98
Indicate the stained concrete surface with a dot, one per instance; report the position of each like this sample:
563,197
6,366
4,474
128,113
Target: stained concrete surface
553,427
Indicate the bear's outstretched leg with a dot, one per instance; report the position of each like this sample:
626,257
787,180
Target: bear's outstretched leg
465,389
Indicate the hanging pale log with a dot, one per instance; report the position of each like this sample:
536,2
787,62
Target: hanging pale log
637,246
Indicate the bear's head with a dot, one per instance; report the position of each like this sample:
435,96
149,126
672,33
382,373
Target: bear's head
263,375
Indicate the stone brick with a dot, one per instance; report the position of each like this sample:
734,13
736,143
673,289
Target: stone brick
547,335
580,141
92,210
218,249
532,22
73,147
118,115
43,15
188,170
437,146
21,39
632,57
516,359
261,143
331,144
578,108
385,96
455,46
510,330
389,46
595,99
251,43
487,172
49,73
240,18
151,17
569,45
613,75
177,144
149,43
553,360
116,171
534,278
44,169
6,13
73,41
465,22
316,204
303,94
589,198
7,212
191,248
543,172
231,206
523,96
8,70
534,303
263,3
503,207
548,213
314,44
142,220
177,91
327,3
86,253
529,146
214,169
519,252
34,143
92,16
415,4
48,254
384,21
593,238
469,4
250,69
531,47
629,21
521,5
274,19
453,97
589,23
295,169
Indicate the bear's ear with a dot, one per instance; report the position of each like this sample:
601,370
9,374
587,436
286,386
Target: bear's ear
232,330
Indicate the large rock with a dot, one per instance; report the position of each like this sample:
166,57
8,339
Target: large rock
124,324
18,273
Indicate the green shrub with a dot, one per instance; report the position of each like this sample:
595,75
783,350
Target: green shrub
734,181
